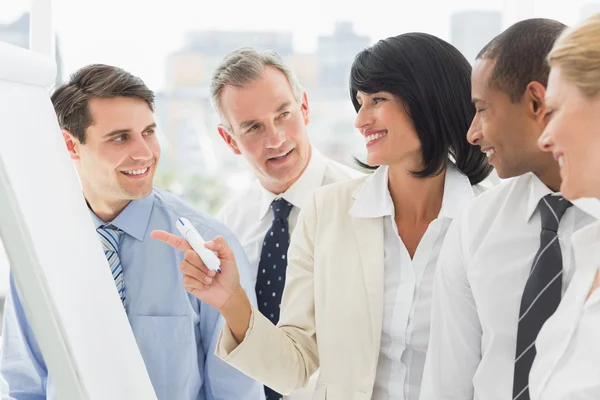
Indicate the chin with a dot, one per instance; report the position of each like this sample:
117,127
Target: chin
137,193
507,172
375,161
575,189
568,192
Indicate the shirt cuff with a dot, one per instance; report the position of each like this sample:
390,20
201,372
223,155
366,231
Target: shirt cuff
227,345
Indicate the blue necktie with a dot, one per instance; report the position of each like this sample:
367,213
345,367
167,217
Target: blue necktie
271,268
542,293
109,236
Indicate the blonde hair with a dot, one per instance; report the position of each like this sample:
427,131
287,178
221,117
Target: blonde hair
577,54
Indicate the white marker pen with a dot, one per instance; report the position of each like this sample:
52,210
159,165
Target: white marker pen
192,236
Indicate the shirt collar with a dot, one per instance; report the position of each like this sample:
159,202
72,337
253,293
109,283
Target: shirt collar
588,235
585,245
373,200
309,180
134,218
537,190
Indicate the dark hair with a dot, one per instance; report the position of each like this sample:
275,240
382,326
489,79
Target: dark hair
433,81
71,99
520,53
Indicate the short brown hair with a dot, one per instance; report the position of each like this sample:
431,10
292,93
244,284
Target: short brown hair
520,55
71,99
577,54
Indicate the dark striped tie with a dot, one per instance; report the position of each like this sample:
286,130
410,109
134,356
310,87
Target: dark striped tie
109,236
542,292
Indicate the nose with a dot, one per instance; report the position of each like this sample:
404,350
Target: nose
475,133
275,136
141,149
363,119
545,142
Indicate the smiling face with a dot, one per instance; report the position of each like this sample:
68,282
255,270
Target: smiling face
267,125
117,162
572,136
506,131
389,132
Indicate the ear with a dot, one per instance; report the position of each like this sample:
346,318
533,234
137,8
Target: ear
305,109
72,144
536,92
229,139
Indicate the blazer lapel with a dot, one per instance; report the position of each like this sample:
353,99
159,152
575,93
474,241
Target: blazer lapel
369,234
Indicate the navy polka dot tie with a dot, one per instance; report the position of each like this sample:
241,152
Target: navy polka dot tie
271,268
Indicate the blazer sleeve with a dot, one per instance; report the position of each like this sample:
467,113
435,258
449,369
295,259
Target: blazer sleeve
283,357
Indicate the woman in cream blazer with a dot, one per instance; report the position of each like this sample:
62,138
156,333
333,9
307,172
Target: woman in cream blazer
567,365
363,254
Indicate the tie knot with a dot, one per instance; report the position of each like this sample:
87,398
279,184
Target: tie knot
109,236
552,209
281,208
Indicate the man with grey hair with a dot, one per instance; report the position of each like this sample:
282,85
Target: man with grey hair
264,113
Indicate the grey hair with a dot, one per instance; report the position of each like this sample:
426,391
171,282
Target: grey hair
243,66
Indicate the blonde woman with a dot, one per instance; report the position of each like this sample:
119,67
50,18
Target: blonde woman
567,365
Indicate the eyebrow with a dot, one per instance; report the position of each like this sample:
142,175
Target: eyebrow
251,122
118,132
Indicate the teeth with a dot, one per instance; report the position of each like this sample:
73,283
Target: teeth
136,171
375,136
281,156
490,153
561,161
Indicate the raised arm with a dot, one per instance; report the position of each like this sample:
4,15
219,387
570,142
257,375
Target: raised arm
283,357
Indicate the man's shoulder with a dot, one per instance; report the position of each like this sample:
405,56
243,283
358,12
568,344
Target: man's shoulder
497,203
239,204
502,192
338,172
177,207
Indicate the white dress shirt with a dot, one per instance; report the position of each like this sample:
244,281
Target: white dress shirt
484,265
249,215
408,284
567,365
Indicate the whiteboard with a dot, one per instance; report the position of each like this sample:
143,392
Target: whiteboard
56,258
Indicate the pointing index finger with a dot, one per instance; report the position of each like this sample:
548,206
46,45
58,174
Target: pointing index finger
172,240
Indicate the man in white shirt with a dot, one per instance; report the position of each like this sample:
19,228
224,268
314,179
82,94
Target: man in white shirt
507,261
264,113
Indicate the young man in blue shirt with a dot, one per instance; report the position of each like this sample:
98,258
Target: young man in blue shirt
107,121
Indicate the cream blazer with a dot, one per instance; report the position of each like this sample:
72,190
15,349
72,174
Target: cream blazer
332,305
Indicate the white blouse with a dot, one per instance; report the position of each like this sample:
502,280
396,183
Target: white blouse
408,283
567,365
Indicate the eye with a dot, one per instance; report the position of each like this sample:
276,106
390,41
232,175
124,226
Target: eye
253,128
149,132
480,110
378,100
119,138
285,113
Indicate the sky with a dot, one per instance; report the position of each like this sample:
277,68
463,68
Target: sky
138,35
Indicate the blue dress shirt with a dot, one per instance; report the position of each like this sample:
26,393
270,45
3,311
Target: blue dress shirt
175,332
